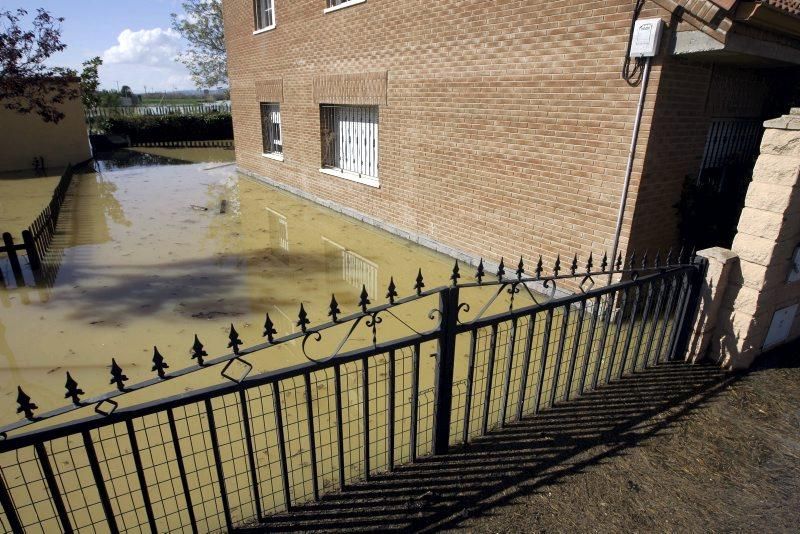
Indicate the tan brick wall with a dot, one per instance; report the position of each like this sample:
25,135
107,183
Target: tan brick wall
506,125
690,94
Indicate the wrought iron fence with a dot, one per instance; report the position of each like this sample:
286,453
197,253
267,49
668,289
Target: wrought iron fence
504,347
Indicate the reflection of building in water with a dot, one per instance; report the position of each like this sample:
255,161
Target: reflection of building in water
278,230
355,269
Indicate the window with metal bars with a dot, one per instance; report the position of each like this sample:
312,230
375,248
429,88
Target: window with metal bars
731,142
264,12
271,128
349,136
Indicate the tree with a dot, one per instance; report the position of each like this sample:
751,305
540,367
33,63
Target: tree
26,84
201,26
90,81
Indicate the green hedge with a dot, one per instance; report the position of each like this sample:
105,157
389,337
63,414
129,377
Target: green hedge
151,129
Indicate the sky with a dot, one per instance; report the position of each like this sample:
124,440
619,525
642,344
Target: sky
134,39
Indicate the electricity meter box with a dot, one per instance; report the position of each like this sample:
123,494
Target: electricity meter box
646,37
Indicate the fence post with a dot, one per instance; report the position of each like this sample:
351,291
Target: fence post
30,248
445,359
690,308
11,251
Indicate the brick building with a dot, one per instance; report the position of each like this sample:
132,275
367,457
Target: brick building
489,129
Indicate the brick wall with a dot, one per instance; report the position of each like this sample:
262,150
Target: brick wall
506,124
690,94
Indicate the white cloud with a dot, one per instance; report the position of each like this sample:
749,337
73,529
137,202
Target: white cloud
145,58
149,47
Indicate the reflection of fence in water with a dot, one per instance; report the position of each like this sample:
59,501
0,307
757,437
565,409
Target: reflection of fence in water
356,270
280,231
239,451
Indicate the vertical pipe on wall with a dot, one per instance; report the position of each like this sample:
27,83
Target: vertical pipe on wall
631,155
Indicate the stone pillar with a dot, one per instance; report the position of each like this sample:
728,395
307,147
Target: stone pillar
768,234
720,263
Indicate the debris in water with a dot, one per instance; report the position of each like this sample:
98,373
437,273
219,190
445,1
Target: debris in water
198,208
223,205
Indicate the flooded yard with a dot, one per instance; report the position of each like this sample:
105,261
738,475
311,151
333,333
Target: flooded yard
155,246
151,259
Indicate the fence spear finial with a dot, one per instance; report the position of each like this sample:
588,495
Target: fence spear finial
604,263
520,269
680,255
197,351
668,261
73,391
420,284
455,276
644,260
480,273
25,404
391,292
269,329
159,363
302,319
589,263
657,261
557,266
363,298
632,260
118,377
334,311
574,266
234,342
619,261
501,270
539,267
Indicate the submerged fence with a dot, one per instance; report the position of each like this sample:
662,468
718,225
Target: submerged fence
257,444
36,240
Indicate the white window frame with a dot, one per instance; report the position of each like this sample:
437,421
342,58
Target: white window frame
257,10
342,5
275,114
346,122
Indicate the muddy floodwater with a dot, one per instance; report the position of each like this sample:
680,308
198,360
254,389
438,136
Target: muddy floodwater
158,245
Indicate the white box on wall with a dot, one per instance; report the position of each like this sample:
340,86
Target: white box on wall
646,37
780,326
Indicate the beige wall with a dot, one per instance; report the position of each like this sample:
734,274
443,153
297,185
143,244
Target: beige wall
25,137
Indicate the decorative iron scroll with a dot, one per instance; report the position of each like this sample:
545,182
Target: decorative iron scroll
514,285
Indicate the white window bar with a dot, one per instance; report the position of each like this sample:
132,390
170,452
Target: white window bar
349,136
271,128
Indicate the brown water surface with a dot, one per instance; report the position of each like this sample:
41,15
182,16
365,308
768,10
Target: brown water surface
149,259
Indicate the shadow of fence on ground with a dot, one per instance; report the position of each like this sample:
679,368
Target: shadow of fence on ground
523,458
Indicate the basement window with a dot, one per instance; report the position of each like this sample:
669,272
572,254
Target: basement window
264,12
335,5
271,130
349,138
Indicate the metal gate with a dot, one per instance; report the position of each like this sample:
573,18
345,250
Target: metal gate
506,346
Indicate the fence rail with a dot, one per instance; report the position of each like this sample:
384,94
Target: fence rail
257,444
37,238
194,109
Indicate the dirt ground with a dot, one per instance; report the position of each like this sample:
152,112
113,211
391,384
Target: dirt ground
677,448
729,464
